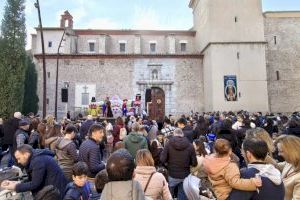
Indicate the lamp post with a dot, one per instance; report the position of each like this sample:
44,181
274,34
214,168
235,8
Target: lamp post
57,64
37,5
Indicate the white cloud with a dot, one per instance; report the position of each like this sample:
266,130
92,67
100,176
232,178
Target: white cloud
29,7
100,23
146,18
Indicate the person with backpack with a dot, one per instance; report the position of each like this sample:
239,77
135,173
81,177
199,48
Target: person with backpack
119,131
66,152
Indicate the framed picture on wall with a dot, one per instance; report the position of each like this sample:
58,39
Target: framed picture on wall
230,88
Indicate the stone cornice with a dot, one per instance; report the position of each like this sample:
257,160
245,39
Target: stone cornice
230,43
118,56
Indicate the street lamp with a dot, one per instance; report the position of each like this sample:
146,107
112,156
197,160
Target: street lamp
37,5
57,63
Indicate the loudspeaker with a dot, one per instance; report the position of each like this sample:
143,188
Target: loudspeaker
64,95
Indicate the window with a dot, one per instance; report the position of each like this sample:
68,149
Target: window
235,19
122,47
48,73
275,40
92,46
85,99
277,75
154,74
182,47
47,101
152,47
50,44
238,55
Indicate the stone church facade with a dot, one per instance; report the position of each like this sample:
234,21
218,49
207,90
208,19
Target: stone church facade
189,69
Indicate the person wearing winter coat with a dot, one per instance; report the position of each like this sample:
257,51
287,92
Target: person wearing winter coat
53,135
135,141
255,152
84,129
288,148
179,155
21,136
153,183
66,152
80,188
187,130
89,151
120,169
224,174
116,130
42,171
34,138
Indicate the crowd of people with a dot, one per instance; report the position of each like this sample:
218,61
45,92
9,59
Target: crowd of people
218,155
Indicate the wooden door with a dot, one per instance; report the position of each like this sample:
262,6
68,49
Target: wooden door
157,105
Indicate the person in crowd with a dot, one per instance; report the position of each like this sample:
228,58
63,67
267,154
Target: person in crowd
156,149
117,130
198,171
135,141
239,123
153,183
120,170
100,180
152,133
9,129
255,152
34,138
187,130
21,136
168,129
66,152
84,129
201,126
179,155
89,151
48,192
224,174
270,126
262,134
288,148
50,122
293,127
42,171
53,136
215,123
80,188
41,129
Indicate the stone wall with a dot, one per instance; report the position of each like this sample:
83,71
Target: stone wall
284,57
180,78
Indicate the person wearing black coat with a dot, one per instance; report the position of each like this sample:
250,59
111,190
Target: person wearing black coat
89,151
84,129
178,154
187,130
41,168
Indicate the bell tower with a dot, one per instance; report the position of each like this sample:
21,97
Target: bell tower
66,20
230,35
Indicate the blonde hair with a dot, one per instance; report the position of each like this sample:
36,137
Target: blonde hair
144,158
260,133
290,146
50,120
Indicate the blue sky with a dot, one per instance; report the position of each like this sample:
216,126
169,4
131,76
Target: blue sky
124,14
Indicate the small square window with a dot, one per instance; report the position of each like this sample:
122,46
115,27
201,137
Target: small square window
50,44
152,47
183,47
122,47
92,46
47,101
48,73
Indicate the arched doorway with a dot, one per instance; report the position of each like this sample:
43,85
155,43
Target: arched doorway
156,105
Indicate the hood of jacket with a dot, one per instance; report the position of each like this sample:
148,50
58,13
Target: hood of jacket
38,152
135,137
145,170
179,143
213,165
62,143
268,171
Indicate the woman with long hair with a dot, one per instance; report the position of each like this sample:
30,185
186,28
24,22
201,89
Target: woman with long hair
288,148
153,183
53,135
